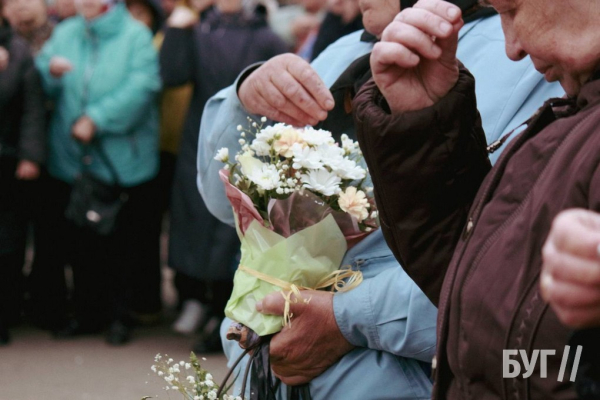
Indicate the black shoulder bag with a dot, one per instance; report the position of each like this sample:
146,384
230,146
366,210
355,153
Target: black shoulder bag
95,204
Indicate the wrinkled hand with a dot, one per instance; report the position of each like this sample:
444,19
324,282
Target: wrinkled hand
84,130
182,18
286,89
312,344
60,66
415,63
27,170
4,58
570,279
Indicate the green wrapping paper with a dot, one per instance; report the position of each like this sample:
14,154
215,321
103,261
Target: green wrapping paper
302,259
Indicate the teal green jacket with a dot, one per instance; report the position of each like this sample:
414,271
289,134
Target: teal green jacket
115,81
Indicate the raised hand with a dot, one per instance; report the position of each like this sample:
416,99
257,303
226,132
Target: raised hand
286,89
415,63
570,279
313,342
59,66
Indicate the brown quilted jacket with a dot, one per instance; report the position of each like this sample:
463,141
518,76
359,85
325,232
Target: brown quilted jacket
471,238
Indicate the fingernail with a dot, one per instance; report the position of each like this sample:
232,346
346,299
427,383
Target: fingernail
445,27
329,103
259,306
452,12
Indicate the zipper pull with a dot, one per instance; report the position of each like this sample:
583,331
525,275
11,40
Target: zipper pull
494,146
468,229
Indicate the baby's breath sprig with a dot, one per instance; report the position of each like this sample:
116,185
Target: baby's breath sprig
188,378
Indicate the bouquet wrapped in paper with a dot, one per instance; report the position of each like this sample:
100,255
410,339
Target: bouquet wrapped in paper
299,204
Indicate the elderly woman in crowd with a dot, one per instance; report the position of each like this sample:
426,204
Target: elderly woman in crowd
470,237
101,69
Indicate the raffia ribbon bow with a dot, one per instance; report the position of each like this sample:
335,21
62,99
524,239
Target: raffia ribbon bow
341,280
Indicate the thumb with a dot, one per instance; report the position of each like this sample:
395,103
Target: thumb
271,304
577,232
449,45
274,303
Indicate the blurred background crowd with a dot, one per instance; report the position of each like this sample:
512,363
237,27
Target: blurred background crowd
86,87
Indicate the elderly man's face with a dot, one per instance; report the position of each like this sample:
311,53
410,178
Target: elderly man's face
561,36
377,14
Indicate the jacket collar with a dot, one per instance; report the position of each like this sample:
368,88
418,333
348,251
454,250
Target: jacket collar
108,24
590,92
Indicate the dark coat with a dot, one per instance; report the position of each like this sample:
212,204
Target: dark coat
22,111
332,28
22,134
210,55
473,244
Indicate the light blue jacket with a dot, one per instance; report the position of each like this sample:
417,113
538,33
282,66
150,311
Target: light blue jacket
387,316
114,81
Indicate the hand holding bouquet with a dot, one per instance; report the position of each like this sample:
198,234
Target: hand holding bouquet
299,204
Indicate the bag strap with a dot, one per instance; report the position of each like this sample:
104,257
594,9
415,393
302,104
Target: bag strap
97,145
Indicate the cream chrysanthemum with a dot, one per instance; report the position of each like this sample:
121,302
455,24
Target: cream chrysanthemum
355,203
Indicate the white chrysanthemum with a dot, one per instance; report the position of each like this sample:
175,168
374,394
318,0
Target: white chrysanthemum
322,181
306,157
209,377
355,203
316,137
212,395
263,142
348,169
267,178
261,148
330,155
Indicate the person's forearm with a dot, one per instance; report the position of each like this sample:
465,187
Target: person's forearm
389,313
426,167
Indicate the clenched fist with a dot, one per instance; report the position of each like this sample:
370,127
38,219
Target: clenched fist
570,279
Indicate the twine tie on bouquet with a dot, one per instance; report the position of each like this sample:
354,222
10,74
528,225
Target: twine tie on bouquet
341,280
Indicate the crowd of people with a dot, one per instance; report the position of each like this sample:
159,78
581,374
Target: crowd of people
489,239
116,90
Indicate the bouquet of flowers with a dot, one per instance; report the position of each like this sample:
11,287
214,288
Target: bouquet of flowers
300,201
188,378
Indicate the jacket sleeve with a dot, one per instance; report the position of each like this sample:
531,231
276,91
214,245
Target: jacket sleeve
426,166
388,312
222,114
176,58
32,142
120,111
